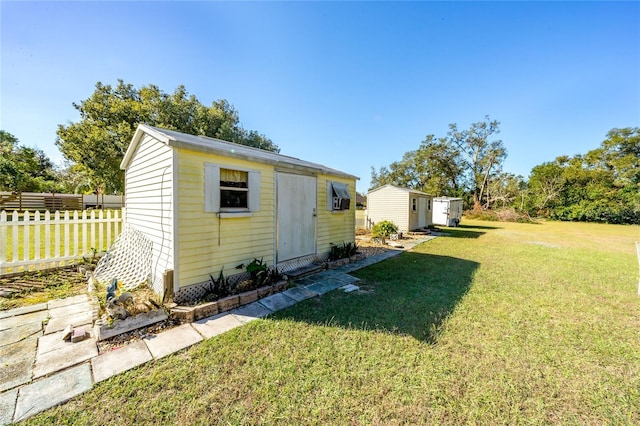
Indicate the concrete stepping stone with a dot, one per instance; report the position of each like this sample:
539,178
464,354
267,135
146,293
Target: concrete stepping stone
349,288
51,391
77,308
331,273
350,267
13,335
304,281
17,363
118,360
23,310
75,320
7,406
346,279
172,340
326,285
277,302
300,293
53,342
58,303
217,324
250,312
65,356
18,320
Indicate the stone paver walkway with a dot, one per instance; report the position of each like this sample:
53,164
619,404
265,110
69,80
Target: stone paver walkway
39,370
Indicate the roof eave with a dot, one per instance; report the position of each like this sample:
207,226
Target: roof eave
135,141
257,159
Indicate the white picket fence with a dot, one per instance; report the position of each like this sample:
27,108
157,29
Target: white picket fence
35,240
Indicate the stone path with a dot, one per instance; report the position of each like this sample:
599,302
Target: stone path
39,370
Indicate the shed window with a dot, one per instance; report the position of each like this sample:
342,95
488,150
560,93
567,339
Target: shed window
234,189
338,196
414,205
231,190
429,204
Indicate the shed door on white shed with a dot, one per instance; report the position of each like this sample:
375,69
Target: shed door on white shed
295,216
422,212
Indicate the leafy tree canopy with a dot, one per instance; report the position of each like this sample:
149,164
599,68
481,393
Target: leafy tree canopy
24,169
446,166
96,144
433,168
602,185
480,156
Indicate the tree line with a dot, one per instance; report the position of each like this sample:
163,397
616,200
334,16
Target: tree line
602,185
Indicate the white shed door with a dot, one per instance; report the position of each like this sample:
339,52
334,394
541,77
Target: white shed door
422,212
440,212
296,216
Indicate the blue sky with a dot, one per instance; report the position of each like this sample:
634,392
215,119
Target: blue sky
347,84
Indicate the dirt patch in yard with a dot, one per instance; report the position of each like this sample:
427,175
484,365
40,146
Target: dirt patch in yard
40,286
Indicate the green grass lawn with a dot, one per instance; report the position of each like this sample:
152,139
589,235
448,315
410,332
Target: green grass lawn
497,323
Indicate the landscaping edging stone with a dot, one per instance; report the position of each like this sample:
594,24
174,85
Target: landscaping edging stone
105,331
344,261
204,310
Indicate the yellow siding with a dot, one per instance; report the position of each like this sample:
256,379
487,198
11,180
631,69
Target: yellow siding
206,244
335,227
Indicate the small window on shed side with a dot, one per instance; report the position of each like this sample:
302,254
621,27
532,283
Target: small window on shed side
338,196
414,205
231,190
234,189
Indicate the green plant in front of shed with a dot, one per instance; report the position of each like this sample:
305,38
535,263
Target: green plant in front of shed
259,272
383,229
219,288
341,251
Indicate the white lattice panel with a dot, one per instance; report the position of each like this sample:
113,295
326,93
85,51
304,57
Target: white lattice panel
128,260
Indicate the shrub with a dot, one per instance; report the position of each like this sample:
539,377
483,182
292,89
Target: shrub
340,251
259,272
383,229
219,288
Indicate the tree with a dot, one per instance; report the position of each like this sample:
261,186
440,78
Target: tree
602,185
480,156
545,184
108,118
447,165
620,153
506,189
23,168
433,168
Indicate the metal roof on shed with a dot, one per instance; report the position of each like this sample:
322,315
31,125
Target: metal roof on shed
224,148
413,191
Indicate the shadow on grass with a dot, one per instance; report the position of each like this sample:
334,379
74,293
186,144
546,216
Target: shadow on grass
411,294
459,232
478,227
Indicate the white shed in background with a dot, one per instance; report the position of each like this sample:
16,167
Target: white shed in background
407,208
447,211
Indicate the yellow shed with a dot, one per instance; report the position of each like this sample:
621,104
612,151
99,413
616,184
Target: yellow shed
209,205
